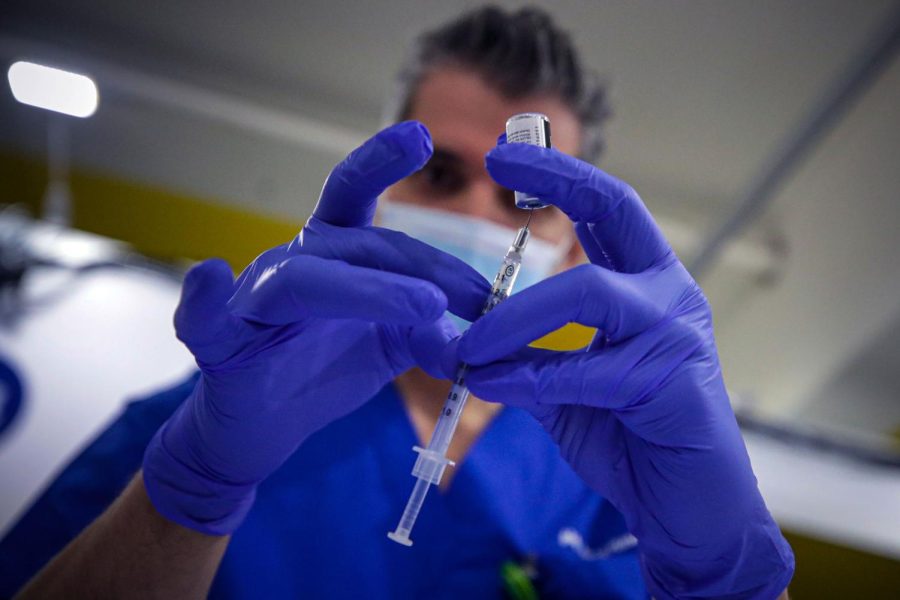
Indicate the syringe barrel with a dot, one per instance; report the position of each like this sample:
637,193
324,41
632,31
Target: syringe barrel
450,413
432,461
508,272
459,393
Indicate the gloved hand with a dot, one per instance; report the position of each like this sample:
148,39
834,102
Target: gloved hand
642,414
309,332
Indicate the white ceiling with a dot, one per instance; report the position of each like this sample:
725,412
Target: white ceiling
703,93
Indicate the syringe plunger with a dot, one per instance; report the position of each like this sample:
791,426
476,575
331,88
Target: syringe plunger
410,513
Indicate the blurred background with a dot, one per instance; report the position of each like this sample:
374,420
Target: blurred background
764,137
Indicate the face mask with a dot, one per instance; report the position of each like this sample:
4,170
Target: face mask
479,243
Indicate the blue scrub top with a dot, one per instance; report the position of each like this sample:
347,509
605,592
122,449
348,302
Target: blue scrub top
318,527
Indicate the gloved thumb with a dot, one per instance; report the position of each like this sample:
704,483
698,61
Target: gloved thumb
433,348
202,320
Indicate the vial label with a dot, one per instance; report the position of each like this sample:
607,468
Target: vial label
531,135
529,128
534,129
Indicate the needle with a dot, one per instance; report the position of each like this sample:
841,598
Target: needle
530,214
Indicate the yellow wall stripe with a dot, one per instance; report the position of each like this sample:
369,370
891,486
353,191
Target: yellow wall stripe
156,222
170,226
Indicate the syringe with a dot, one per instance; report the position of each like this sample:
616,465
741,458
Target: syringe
432,460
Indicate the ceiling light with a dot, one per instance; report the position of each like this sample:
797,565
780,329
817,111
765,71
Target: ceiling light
54,89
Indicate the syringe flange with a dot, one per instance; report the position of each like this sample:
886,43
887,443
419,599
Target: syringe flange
430,465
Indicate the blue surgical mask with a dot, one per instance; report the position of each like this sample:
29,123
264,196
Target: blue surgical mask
480,243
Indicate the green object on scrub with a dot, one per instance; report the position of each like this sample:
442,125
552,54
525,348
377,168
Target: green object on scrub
516,582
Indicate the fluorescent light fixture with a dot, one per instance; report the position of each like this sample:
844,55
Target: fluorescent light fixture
53,89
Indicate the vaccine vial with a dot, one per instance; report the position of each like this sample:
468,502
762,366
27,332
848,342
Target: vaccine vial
528,128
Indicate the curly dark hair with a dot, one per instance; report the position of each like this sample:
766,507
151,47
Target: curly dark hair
518,53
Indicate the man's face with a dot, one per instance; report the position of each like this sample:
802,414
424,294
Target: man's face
465,116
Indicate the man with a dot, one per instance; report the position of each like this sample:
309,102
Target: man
279,468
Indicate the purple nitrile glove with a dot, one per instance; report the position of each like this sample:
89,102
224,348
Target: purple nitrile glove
309,332
642,414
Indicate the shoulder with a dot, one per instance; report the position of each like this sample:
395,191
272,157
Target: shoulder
86,486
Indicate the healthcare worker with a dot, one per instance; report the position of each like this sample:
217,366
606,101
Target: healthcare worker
277,470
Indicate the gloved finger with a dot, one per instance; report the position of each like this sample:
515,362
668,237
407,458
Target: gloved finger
517,381
349,195
388,250
618,377
619,304
592,247
427,345
433,348
521,356
622,234
202,320
309,286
